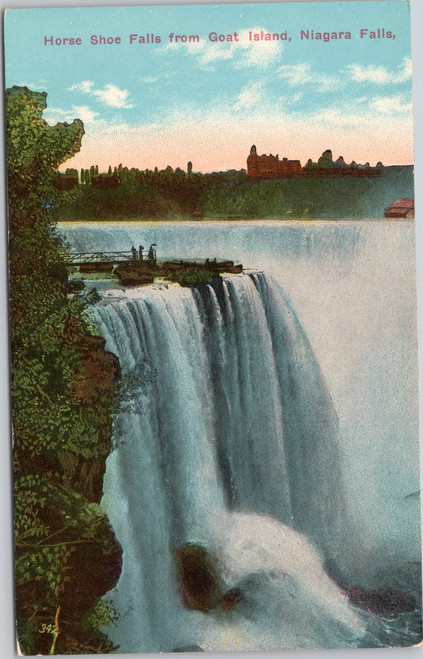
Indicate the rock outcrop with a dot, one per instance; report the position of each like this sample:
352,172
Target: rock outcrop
199,580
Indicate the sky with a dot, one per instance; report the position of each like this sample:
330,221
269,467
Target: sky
207,101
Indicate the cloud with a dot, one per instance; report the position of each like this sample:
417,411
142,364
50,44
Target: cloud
303,74
244,52
36,87
113,96
86,86
380,75
363,113
397,104
83,112
259,53
250,96
110,95
206,52
342,118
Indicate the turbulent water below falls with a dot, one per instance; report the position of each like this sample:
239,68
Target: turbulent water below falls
227,438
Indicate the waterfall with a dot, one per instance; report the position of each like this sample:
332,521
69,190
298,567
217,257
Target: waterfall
226,437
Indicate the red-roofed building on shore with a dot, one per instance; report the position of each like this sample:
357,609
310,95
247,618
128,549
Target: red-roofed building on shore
402,208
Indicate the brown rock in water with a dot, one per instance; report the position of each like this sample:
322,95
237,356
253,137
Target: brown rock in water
198,578
385,601
231,599
95,568
137,281
73,286
139,273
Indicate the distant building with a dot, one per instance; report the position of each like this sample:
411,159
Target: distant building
271,167
402,208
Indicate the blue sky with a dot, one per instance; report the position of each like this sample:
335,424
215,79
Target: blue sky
166,103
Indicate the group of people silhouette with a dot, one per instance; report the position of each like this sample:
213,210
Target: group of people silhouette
141,254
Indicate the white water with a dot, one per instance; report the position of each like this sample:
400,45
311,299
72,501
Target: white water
229,412
353,286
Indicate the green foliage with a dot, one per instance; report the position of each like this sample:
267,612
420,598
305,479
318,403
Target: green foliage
52,524
55,431
100,616
45,325
176,194
192,277
49,522
38,504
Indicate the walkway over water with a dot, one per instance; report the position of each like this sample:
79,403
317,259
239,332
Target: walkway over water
78,258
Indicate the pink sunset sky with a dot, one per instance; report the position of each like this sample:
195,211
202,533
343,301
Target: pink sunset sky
220,142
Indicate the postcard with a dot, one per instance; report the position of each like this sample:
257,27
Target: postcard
213,327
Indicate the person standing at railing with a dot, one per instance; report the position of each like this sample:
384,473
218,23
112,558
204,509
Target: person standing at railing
152,252
134,253
140,250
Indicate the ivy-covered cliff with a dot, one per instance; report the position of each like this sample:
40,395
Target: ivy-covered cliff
62,399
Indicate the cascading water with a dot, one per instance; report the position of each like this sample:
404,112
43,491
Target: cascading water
227,439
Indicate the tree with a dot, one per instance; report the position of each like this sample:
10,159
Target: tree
55,426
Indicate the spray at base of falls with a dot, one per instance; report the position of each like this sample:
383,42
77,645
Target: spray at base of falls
227,439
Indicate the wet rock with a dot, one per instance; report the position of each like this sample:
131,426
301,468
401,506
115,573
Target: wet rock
198,578
95,569
138,273
137,281
73,286
231,599
386,602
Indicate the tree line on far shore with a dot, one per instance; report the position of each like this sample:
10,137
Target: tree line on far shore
123,193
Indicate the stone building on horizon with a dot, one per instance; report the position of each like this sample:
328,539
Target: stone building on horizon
271,167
